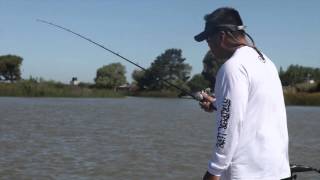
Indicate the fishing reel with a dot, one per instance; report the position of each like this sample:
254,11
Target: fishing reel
199,96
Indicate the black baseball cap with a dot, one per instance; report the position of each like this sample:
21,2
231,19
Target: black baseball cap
222,19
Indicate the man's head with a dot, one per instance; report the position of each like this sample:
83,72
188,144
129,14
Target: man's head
224,32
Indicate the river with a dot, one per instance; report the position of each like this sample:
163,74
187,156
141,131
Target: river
126,138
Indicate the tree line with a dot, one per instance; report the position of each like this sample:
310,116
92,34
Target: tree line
296,74
170,66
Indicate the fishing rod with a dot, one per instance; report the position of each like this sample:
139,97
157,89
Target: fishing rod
198,98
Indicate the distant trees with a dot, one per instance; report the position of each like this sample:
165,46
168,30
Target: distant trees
110,76
10,68
297,74
170,66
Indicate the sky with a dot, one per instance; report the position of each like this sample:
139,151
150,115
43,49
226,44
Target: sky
140,30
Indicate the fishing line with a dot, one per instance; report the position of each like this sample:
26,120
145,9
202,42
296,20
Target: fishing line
126,59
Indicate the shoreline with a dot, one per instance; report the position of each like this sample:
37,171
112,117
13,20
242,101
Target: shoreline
296,99
55,90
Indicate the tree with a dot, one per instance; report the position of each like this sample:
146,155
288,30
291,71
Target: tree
139,78
198,82
10,67
211,66
110,76
169,66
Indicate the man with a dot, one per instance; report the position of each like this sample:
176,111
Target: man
251,133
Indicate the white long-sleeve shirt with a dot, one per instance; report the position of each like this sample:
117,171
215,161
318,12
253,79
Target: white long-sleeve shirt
252,136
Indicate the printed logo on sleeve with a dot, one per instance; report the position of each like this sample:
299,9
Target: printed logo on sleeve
225,115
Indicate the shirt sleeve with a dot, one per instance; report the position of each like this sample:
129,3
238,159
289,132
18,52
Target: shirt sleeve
232,96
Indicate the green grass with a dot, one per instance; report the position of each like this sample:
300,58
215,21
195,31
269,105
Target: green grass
52,89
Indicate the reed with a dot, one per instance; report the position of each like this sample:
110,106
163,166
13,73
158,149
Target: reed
303,99
52,89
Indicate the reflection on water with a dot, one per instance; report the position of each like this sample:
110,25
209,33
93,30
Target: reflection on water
140,138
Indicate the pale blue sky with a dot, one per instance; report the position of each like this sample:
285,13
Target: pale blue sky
287,31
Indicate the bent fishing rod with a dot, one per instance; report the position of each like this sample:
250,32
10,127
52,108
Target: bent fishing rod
126,59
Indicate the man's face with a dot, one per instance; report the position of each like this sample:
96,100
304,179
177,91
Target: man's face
214,44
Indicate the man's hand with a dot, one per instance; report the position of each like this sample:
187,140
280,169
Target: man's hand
207,103
209,176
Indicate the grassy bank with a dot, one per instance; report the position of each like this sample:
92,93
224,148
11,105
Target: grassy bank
303,99
52,89
55,89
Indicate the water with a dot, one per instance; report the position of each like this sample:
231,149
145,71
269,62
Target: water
130,138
